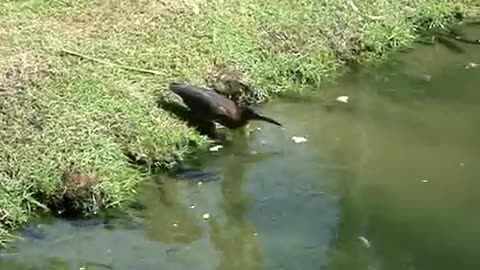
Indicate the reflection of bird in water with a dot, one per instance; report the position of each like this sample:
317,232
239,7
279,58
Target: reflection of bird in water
232,234
169,219
209,106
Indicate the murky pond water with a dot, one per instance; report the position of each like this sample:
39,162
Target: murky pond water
399,165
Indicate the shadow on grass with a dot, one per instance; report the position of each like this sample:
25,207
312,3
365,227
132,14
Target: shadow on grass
206,128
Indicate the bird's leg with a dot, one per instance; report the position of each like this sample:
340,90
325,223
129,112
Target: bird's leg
206,128
210,129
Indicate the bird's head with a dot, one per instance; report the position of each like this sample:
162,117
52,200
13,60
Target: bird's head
248,113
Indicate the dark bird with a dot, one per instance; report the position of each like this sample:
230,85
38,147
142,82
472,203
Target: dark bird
209,106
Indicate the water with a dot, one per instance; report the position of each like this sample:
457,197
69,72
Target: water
397,165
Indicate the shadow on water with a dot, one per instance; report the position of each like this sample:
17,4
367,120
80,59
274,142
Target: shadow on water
397,165
234,236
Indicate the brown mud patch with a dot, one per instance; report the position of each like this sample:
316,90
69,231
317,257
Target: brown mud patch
77,195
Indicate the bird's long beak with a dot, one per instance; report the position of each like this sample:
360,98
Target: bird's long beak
266,119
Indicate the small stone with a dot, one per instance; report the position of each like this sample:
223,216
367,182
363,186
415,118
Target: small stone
206,216
343,99
175,225
297,139
461,164
81,268
471,65
258,129
192,206
200,182
254,234
424,181
215,148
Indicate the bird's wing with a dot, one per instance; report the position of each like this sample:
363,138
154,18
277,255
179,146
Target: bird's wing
221,103
221,106
203,100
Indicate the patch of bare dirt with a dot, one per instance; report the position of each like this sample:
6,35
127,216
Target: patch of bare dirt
23,69
3,36
124,16
20,108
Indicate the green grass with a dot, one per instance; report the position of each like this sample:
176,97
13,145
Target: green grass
59,113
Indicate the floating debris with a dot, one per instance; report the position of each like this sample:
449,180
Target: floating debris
192,206
258,129
215,148
426,77
8,254
297,139
343,99
206,216
365,241
471,65
171,250
175,225
254,234
424,181
461,164
314,193
200,182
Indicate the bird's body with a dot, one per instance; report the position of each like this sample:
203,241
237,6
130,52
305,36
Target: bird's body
210,106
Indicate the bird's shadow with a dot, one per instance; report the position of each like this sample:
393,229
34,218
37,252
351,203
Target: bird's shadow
206,128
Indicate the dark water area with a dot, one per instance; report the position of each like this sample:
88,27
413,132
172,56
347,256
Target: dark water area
389,180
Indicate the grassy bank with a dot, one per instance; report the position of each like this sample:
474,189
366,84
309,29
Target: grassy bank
66,122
